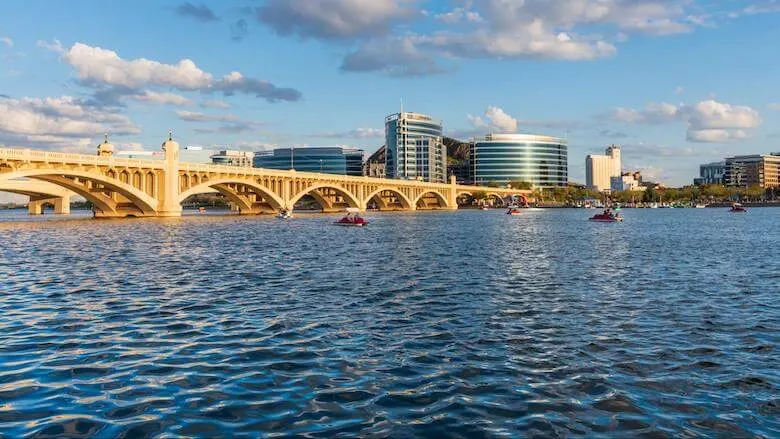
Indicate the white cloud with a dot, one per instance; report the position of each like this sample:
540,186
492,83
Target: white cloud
716,135
193,116
459,14
100,67
63,121
495,119
7,41
106,67
212,103
774,107
54,46
357,133
164,98
708,121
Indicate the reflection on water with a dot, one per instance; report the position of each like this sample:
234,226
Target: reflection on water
423,324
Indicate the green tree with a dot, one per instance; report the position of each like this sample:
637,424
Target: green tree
523,185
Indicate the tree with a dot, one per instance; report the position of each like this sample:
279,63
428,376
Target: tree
522,185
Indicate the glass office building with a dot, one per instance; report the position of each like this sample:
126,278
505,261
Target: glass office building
501,158
415,150
328,160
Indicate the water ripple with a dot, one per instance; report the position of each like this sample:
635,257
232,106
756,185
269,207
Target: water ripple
466,324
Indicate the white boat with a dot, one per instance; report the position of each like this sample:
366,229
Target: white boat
285,214
701,206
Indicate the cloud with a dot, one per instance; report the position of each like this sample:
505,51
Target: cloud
7,41
612,134
357,133
98,67
64,122
199,12
235,82
334,19
651,150
716,135
393,57
495,119
763,7
239,30
192,116
458,15
708,121
774,107
211,103
162,98
54,46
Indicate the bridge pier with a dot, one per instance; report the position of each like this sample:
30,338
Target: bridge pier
61,205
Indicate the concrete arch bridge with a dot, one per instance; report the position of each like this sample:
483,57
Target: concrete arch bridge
120,187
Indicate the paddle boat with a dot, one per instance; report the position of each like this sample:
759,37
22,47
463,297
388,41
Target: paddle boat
352,218
514,210
285,214
606,217
737,208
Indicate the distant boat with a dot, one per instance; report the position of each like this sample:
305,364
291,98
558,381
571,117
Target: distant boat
285,214
606,218
514,210
201,210
737,208
700,206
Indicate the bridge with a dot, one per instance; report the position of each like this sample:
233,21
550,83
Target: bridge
122,187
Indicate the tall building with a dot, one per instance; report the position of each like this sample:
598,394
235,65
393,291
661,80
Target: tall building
233,158
375,164
415,150
599,169
711,173
753,170
628,181
328,160
501,158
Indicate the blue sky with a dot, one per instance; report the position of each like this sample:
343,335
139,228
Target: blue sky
676,82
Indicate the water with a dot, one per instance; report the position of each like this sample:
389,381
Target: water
464,324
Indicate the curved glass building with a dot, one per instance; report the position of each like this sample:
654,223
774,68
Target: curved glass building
501,158
414,148
328,160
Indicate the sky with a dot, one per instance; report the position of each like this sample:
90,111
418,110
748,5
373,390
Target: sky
676,83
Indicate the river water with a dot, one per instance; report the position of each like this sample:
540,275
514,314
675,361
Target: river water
458,324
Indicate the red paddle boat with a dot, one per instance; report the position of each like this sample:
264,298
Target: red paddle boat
352,219
607,217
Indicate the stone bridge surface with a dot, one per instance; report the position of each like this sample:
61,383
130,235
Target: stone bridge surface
119,187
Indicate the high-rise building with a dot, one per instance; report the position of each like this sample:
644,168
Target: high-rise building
501,158
599,169
233,158
753,170
328,160
375,164
711,173
415,150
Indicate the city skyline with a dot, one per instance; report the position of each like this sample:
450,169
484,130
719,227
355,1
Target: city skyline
676,84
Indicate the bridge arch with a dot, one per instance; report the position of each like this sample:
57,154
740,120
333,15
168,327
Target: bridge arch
65,178
221,186
351,199
406,203
441,198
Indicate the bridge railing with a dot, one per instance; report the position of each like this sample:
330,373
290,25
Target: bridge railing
46,156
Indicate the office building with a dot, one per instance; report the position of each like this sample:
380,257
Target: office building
599,169
415,150
501,158
753,170
375,164
628,181
328,160
711,173
233,158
